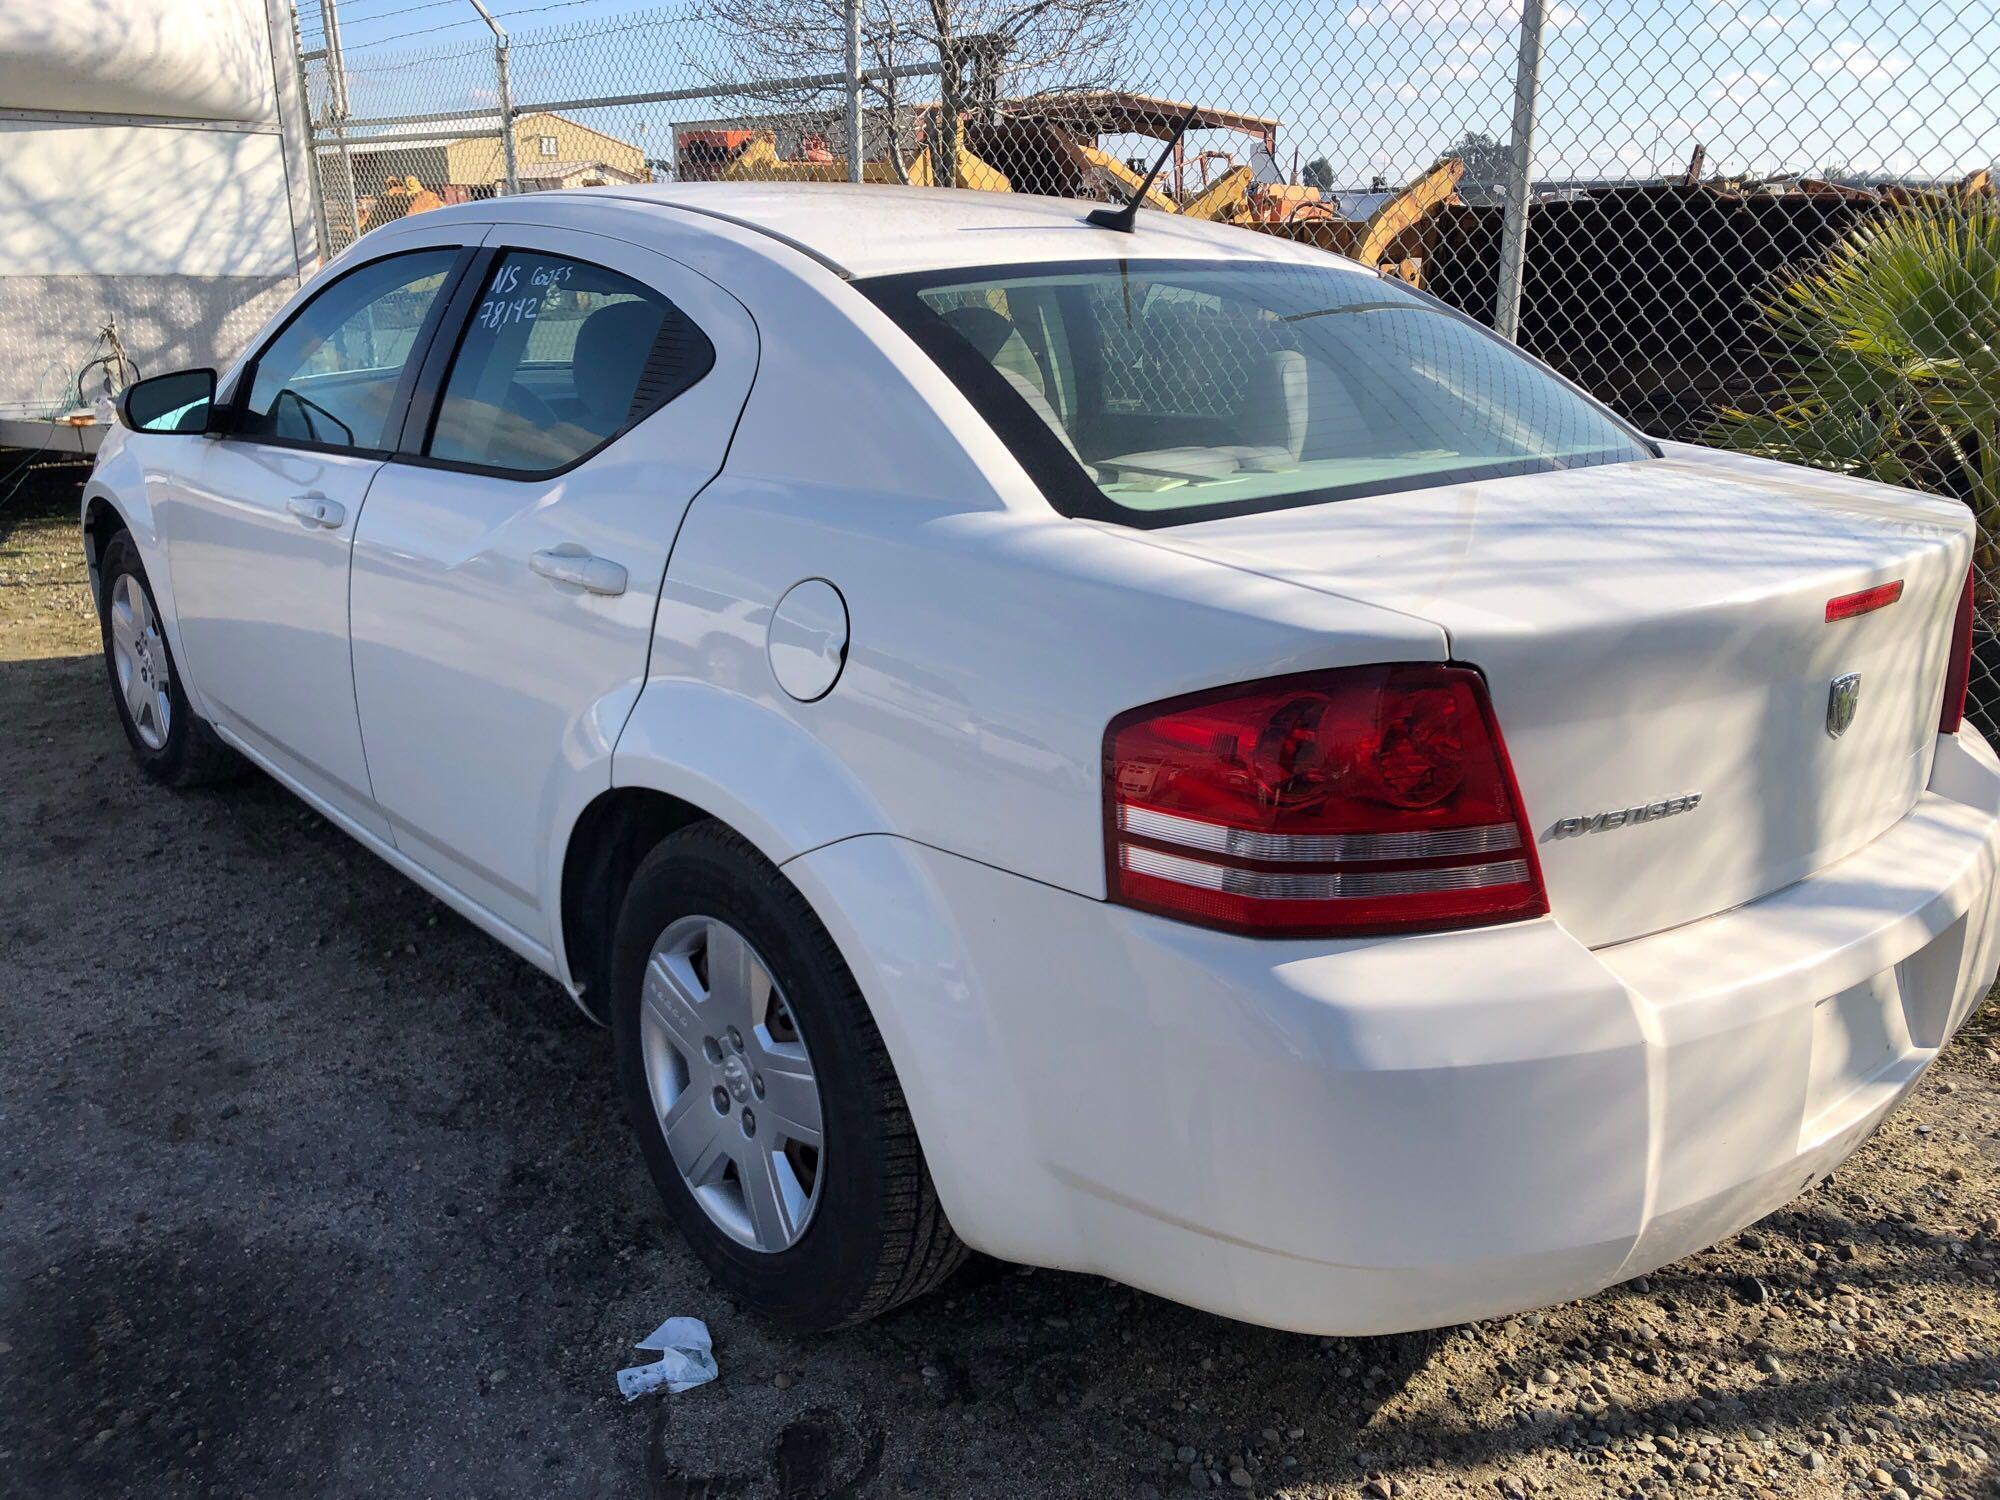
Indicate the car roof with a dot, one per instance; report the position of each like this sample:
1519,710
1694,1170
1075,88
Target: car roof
877,230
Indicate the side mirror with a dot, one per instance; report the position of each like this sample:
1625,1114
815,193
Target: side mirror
181,402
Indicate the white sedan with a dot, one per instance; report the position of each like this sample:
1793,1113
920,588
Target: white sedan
1157,753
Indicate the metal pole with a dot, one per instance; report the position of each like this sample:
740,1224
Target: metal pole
508,152
313,185
854,144
1514,226
336,77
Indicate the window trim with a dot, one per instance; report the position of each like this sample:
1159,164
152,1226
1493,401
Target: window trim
427,395
1061,477
235,411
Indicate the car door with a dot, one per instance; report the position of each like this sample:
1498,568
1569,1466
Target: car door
508,563
261,519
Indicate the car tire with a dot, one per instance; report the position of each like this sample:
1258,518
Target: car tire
171,743
873,1235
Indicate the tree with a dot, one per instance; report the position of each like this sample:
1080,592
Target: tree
981,49
1487,164
1319,174
1894,344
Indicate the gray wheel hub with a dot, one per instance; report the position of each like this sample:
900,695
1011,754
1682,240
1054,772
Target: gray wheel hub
139,656
731,1083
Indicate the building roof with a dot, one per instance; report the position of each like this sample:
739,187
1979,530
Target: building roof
879,230
1108,112
541,167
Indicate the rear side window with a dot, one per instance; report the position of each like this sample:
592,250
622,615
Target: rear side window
560,356
331,377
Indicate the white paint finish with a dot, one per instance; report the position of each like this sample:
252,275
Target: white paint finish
1655,629
485,689
877,230
192,59
977,730
261,598
131,200
1279,1131
807,641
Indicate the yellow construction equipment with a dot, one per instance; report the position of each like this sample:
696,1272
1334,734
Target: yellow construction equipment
759,162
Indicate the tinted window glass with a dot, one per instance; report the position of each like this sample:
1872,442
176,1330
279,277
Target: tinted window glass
1178,390
331,376
560,356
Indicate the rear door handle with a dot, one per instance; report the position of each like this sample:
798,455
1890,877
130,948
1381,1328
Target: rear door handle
570,564
317,510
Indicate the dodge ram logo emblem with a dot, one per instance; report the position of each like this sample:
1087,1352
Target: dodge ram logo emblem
1842,698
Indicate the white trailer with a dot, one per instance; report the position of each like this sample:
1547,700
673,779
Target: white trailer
154,183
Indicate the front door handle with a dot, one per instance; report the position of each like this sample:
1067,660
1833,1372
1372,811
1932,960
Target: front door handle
317,510
570,564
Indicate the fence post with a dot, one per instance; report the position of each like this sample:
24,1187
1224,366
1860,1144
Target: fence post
854,143
504,86
322,231
1514,225
336,75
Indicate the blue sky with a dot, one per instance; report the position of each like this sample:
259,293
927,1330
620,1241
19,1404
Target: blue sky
1376,86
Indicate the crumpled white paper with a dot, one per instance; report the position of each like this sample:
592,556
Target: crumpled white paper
686,1359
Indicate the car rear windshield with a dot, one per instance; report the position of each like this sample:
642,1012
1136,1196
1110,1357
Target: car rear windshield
1162,392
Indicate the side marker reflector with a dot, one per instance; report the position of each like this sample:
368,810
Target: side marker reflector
1847,606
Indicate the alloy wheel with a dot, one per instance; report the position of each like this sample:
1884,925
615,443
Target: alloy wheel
139,654
732,1083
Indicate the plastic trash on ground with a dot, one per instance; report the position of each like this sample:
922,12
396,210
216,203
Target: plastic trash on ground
686,1359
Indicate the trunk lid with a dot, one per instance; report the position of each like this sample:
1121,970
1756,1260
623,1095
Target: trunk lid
1657,631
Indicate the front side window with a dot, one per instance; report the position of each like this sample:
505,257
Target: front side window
332,375
559,357
1161,392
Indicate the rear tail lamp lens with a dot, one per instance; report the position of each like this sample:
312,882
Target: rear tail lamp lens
1362,800
1958,669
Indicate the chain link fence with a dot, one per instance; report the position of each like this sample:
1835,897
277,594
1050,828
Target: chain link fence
1766,224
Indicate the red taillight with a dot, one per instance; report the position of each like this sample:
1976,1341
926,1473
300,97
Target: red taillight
1361,800
1958,671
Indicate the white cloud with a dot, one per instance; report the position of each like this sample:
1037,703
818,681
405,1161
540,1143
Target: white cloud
1856,60
1451,13
1739,85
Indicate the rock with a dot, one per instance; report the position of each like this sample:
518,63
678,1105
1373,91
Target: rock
782,1381
1240,1477
1186,1454
1698,1471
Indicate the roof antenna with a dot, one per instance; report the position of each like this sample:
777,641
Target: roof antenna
1121,217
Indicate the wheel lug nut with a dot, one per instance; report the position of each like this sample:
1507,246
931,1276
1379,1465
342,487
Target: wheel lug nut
721,1097
736,1039
749,1123
757,1084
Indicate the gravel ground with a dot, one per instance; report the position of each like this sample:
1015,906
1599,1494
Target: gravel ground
307,1187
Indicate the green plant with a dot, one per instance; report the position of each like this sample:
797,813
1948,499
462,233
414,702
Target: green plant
1894,347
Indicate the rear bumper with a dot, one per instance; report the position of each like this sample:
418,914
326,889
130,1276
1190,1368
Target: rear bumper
1406,1132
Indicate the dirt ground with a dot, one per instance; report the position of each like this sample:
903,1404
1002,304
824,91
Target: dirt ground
307,1188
